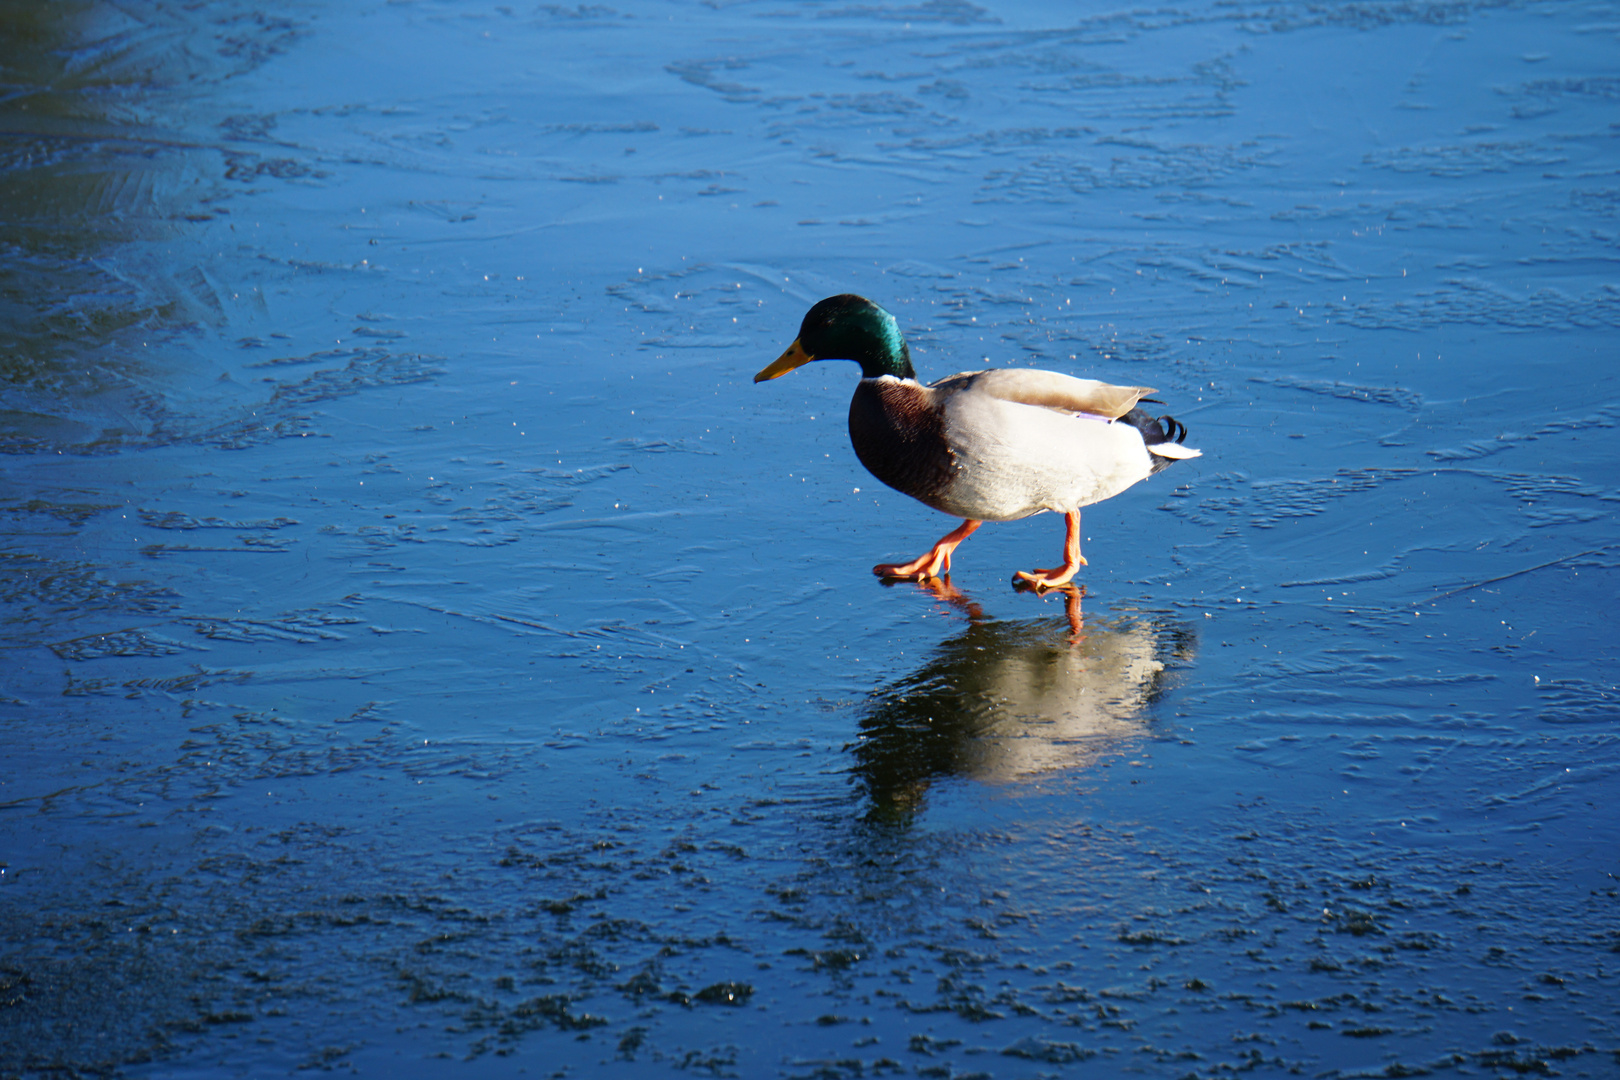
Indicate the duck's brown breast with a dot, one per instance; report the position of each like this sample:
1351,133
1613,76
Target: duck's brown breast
898,432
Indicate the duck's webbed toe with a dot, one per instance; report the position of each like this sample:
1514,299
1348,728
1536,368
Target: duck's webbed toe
1072,559
936,563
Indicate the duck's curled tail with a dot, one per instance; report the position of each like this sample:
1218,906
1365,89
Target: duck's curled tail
1163,436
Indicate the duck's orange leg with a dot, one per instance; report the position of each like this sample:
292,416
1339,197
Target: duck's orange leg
1072,559
936,563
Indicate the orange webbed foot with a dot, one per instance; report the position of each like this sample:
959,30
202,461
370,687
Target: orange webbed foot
937,563
1055,578
932,565
1072,559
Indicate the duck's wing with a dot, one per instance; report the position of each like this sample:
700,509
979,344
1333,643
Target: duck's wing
1049,390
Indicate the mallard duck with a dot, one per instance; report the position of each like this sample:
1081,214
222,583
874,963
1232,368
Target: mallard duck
983,445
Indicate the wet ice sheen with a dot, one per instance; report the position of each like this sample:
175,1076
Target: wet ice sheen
423,644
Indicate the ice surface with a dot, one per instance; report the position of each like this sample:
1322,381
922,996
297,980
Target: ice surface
426,652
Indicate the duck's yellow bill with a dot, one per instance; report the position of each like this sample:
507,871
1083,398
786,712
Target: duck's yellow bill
795,357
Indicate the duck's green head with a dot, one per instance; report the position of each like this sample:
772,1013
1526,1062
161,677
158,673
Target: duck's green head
847,327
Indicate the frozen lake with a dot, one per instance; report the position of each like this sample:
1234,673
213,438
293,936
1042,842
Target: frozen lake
427,653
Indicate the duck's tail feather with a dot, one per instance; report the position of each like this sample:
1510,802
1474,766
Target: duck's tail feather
1174,450
1163,437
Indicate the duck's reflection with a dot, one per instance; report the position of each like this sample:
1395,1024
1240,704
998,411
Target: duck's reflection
1003,700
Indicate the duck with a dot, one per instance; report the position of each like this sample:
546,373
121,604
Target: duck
998,445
